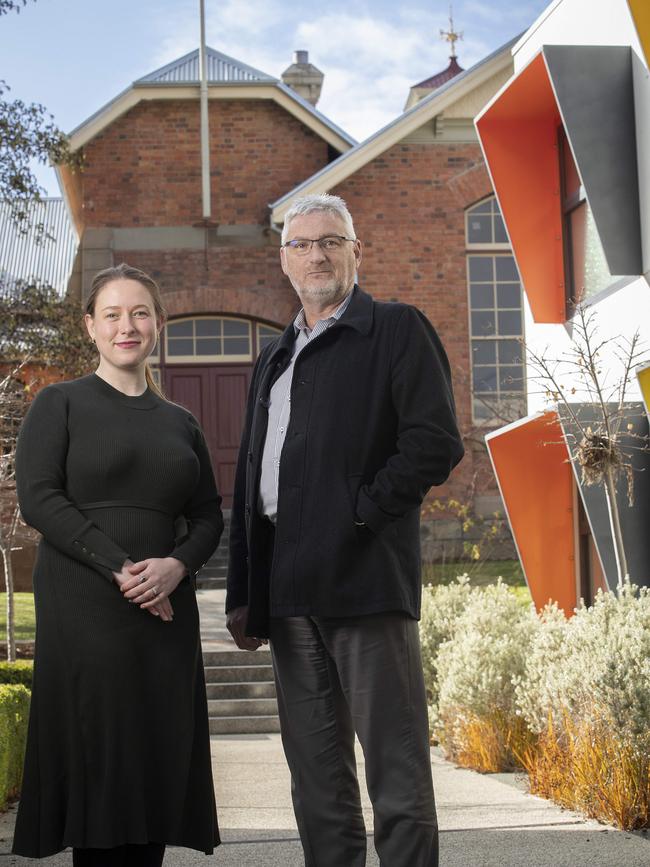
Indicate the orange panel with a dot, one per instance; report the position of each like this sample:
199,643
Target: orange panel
643,375
518,133
640,10
536,483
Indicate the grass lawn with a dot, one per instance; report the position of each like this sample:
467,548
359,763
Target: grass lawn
24,616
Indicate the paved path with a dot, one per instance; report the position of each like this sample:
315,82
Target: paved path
485,820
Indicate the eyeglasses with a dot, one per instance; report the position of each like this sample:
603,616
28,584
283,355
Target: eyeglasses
328,244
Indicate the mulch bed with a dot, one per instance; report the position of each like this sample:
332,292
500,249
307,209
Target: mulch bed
24,649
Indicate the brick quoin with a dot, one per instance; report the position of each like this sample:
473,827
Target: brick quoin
409,208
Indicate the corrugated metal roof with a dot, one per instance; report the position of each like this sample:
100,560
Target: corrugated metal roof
220,68
23,258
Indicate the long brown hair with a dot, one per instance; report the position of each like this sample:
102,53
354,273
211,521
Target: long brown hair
128,272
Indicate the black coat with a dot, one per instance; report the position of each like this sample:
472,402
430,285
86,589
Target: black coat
372,428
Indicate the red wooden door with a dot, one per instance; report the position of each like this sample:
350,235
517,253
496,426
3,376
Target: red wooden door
216,395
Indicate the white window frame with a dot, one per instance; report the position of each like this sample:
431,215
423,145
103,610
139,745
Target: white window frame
492,250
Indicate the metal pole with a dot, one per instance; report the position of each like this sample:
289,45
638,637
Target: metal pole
205,128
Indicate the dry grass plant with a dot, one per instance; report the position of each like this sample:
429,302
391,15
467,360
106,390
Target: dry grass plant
487,744
584,765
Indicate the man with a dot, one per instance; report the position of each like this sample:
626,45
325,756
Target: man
350,421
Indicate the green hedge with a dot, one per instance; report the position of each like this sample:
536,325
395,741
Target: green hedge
17,672
14,712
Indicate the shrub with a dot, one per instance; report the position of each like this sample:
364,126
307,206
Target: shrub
585,691
14,713
17,672
478,668
442,606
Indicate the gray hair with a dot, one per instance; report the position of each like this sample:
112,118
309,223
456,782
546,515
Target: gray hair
320,202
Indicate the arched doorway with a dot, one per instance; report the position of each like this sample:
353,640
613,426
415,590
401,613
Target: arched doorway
205,363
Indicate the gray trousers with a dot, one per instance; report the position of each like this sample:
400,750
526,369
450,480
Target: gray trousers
335,677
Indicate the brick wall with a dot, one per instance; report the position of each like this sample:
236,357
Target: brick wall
145,169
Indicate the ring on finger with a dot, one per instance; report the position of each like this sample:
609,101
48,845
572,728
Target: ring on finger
154,590
143,579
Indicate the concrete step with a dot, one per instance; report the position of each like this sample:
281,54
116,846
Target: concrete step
242,674
236,657
252,689
242,707
210,583
233,725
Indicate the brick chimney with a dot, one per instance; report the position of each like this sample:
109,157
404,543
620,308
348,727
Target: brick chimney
303,77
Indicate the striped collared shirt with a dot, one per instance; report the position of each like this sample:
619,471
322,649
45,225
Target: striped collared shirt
280,409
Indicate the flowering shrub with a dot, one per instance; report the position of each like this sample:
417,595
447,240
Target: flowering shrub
595,665
569,699
478,667
442,606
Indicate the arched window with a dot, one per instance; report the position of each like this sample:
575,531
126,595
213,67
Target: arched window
208,339
212,340
496,317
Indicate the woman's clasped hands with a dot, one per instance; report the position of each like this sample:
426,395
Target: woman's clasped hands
150,582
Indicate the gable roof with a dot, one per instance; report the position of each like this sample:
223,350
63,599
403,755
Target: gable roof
220,68
427,108
227,79
25,259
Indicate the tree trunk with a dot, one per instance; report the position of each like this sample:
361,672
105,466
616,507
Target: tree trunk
9,584
615,526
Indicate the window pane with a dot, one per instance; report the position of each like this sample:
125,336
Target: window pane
484,352
506,269
237,346
511,377
481,269
180,347
510,352
479,229
482,296
509,322
485,378
485,207
180,329
483,411
508,295
234,328
482,324
208,346
208,327
500,234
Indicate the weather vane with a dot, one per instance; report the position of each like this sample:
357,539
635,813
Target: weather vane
451,35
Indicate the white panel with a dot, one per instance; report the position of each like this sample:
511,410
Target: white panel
618,315
578,22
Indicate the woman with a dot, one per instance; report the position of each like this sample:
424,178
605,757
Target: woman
119,482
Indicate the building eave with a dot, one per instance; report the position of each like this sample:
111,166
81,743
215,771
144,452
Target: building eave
348,163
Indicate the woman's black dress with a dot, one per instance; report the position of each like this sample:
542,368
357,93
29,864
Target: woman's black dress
118,747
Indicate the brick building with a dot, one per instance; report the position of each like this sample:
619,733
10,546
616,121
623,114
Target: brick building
418,190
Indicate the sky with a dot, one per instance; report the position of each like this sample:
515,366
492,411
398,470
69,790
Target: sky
73,56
